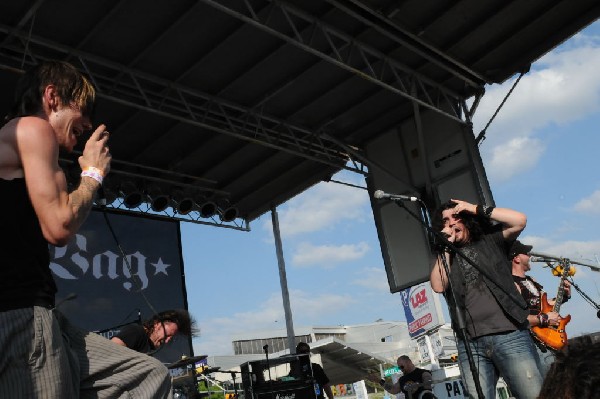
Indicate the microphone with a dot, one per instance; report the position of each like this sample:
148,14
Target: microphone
538,259
542,257
379,194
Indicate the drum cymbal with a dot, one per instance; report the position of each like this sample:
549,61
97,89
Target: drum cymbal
182,380
186,361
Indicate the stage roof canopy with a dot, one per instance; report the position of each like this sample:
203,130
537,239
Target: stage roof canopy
250,102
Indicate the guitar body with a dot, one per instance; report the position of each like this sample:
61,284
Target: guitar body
554,337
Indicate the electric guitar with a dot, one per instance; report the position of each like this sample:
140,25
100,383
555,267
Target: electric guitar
554,337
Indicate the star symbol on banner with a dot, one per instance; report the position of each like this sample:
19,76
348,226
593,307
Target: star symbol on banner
160,267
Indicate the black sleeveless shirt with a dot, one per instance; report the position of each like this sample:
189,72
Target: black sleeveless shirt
25,276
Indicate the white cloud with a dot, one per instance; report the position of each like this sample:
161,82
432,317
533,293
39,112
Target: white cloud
513,157
563,87
307,309
589,205
373,278
321,207
307,254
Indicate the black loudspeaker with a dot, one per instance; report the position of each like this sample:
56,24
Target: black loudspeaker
433,158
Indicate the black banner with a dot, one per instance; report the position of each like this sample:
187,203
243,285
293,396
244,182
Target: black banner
111,292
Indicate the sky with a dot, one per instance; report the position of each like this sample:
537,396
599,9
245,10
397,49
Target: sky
541,158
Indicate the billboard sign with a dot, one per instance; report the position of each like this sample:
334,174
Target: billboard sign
421,308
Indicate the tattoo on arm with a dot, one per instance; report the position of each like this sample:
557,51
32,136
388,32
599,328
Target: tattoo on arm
82,198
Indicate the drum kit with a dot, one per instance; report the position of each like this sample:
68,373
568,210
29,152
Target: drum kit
185,385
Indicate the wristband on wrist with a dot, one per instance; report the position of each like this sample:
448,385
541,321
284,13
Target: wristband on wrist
382,382
543,319
479,210
93,173
485,211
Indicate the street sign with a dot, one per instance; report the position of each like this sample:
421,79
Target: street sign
390,371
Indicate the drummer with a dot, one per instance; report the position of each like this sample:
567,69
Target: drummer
159,330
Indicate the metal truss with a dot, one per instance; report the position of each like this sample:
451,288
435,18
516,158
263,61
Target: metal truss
121,84
325,41
171,214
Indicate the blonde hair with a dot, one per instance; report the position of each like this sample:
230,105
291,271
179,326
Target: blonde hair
72,87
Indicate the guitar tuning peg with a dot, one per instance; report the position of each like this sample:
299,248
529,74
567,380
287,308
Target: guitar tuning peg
557,270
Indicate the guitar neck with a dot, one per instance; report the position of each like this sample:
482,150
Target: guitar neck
561,291
559,296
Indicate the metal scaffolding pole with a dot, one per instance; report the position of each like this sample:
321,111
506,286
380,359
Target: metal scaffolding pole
289,324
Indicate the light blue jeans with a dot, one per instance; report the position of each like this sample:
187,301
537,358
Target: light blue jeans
545,360
511,355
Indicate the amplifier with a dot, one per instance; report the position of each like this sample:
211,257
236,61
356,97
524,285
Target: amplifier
306,392
286,377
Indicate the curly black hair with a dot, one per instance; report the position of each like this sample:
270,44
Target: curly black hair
185,323
575,374
475,224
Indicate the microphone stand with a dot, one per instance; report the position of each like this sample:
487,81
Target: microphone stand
460,320
585,296
266,349
550,258
235,391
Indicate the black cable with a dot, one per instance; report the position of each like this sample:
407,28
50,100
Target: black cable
139,282
133,275
481,135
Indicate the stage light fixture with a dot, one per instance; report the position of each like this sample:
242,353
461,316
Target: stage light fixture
159,201
227,212
107,194
132,195
183,202
205,207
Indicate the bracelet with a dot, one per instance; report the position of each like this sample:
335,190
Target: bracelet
94,173
382,382
487,211
479,210
543,320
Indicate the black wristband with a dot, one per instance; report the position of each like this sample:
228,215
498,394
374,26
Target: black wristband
382,382
485,210
543,320
479,210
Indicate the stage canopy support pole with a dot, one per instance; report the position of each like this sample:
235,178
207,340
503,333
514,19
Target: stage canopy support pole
289,324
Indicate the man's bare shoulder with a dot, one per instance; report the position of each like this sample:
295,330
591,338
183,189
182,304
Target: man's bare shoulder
17,136
31,131
31,125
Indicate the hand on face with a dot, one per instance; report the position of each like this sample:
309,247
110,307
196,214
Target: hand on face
96,153
464,206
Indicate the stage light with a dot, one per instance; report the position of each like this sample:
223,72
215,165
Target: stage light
132,195
205,207
107,194
183,202
227,212
159,201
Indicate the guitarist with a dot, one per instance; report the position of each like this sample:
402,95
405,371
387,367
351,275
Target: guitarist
532,291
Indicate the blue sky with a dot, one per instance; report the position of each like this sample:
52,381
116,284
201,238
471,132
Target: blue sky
541,157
